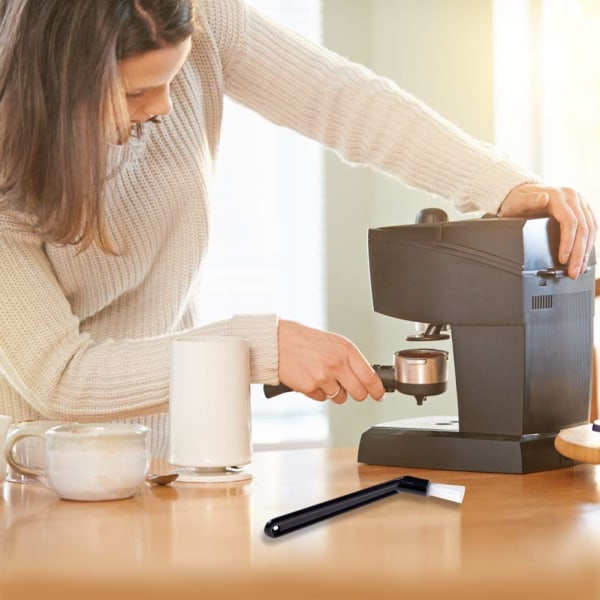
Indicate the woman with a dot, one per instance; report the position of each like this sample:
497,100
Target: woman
109,126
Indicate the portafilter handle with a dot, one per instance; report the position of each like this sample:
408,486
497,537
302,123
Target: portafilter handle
385,372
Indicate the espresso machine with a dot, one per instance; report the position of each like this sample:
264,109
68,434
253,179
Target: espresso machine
522,336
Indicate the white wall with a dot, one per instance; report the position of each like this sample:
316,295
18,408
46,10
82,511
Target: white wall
441,51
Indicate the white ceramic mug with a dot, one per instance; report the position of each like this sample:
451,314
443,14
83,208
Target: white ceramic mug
5,422
209,407
101,461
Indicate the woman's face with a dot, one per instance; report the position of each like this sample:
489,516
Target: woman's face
147,80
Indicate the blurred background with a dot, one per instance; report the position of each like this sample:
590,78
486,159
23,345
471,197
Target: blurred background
290,219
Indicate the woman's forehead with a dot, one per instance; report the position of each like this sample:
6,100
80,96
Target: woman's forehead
155,67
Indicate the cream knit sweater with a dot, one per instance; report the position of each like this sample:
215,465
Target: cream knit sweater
86,336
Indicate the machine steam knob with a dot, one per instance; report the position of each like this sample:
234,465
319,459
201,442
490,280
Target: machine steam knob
431,215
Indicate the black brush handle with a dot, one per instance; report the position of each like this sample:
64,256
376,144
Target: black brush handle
330,508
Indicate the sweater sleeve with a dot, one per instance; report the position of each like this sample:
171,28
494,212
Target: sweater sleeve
366,119
64,373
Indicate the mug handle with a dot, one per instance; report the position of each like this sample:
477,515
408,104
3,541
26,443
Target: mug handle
9,451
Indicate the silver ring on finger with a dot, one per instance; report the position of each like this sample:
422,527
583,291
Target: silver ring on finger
335,395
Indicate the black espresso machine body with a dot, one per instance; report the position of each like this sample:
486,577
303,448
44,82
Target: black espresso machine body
522,337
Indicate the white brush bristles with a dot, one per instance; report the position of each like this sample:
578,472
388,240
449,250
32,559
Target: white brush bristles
453,493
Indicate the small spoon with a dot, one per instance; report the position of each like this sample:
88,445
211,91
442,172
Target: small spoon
166,479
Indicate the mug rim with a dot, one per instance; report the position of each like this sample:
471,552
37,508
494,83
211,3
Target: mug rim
211,339
97,430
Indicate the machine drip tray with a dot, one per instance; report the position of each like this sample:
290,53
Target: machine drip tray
437,443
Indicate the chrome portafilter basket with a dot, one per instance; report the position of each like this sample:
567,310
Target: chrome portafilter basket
418,372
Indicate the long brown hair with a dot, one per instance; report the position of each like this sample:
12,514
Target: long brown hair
62,103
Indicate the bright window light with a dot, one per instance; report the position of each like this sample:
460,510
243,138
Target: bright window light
547,93
266,250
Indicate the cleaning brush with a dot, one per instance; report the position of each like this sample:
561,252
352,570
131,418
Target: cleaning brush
324,510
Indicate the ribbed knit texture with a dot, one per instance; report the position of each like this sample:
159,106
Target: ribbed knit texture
86,336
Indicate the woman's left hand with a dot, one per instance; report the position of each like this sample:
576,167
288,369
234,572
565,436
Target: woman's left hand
577,222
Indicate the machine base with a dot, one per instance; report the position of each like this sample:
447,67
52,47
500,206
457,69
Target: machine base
436,443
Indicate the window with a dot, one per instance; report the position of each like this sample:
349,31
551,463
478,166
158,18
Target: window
266,238
548,89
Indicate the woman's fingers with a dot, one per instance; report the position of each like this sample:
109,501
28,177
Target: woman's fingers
578,226
324,366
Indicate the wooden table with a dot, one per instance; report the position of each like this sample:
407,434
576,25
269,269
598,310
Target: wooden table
515,536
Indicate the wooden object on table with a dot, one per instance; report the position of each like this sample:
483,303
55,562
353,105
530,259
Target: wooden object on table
580,443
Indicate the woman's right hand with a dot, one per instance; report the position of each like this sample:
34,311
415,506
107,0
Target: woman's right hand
578,226
324,365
